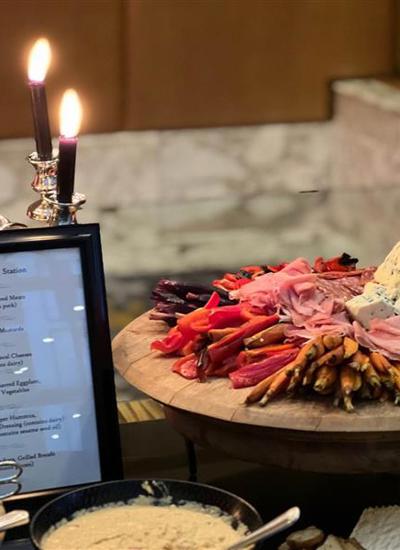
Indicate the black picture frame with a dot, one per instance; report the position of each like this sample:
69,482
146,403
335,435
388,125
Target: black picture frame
86,237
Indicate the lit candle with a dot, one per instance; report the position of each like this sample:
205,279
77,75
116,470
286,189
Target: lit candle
70,121
39,61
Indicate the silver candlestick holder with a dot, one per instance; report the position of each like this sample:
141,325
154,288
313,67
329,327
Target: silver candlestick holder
44,182
63,213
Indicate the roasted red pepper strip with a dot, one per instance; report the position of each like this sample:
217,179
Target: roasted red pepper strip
225,284
341,263
186,366
252,355
249,314
242,360
221,317
272,348
213,301
224,348
218,333
230,281
250,375
227,367
226,316
198,322
180,335
276,268
193,345
173,342
194,322
231,344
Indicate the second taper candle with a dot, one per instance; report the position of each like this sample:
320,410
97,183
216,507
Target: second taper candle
70,121
39,61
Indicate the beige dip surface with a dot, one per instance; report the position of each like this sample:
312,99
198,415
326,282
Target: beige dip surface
135,527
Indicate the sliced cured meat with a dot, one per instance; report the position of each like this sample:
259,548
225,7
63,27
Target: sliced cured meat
315,303
336,324
383,336
366,274
341,289
273,291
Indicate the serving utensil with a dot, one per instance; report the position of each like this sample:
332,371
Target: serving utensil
13,472
273,527
13,519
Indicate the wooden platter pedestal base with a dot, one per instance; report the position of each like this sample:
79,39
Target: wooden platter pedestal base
336,453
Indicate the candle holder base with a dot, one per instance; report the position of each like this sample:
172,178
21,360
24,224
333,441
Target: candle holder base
64,213
44,182
39,210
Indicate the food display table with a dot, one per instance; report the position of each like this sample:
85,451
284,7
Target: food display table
309,435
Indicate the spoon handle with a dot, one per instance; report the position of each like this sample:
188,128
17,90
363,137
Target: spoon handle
13,519
273,527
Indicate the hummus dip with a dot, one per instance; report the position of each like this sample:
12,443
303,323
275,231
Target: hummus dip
148,527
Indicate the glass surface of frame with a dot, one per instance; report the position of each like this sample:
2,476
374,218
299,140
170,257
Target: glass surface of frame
58,413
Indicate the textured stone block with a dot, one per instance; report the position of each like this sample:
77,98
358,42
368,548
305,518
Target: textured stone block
366,135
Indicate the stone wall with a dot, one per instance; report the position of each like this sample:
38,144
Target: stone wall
189,200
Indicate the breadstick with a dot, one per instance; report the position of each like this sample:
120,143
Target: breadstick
279,383
260,389
350,347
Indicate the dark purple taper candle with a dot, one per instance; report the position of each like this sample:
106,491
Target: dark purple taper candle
39,61
66,168
41,124
70,119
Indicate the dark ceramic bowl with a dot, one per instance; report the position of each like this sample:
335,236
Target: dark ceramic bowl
66,505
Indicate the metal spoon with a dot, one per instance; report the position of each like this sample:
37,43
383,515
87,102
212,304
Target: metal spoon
273,527
13,519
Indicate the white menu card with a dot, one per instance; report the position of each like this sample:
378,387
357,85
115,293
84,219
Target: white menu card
47,413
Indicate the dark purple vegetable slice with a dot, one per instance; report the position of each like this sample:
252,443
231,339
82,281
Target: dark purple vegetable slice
172,298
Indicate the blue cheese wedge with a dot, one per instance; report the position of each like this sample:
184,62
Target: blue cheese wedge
381,298
364,308
388,273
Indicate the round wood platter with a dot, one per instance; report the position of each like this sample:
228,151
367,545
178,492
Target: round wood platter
151,373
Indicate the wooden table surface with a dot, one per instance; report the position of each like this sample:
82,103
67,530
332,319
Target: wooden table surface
305,434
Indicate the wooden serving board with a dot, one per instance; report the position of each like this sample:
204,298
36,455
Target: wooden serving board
151,373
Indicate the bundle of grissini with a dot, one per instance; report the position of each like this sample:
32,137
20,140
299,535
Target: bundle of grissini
328,328
337,366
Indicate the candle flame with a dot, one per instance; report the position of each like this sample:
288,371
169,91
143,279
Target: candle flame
70,114
39,60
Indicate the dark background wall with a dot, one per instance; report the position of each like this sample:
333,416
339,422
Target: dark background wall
142,64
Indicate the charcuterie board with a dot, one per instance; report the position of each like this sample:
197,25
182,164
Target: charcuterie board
150,372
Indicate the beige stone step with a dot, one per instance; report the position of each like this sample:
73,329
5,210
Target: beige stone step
366,133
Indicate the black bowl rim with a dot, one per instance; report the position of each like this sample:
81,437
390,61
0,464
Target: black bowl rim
139,480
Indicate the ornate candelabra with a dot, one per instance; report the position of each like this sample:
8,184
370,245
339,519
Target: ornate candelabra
49,209
44,182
